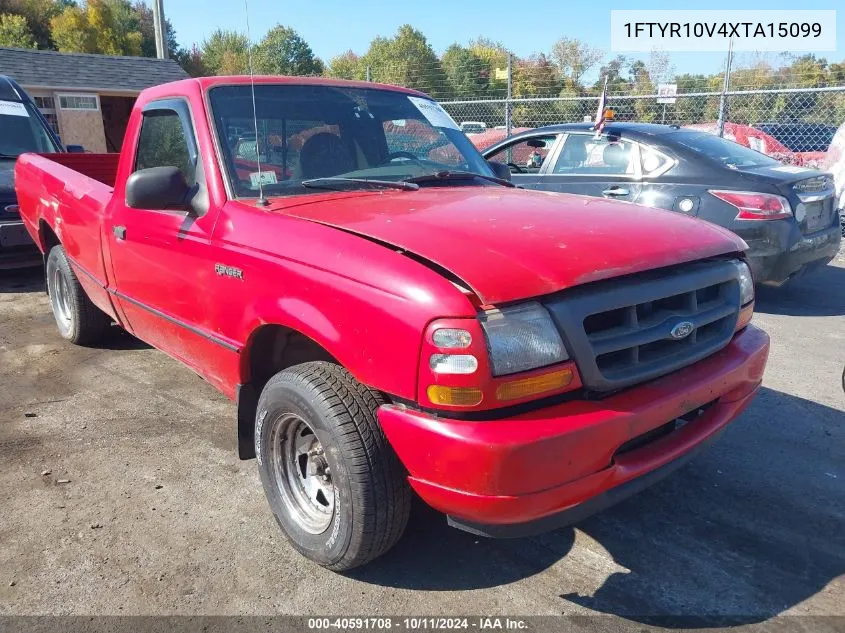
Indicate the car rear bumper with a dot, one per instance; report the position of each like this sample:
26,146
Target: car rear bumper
553,466
17,250
775,260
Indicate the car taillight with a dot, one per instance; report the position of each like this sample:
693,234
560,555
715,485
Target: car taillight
755,206
456,372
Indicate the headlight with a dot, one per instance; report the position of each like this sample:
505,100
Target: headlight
746,282
521,338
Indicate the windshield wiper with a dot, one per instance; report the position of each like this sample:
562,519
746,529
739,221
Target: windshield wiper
457,175
8,156
338,182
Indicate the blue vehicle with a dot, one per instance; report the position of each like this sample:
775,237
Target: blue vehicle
22,129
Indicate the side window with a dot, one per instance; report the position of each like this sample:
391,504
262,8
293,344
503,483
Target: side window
526,156
654,163
162,143
585,155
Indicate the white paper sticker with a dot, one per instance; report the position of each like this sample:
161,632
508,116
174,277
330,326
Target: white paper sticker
263,178
13,108
434,113
790,169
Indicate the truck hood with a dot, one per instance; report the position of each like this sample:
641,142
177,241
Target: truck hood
508,244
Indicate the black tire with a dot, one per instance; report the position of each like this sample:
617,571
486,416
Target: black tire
77,318
371,498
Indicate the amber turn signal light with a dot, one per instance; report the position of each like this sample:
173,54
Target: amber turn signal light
454,396
525,387
745,315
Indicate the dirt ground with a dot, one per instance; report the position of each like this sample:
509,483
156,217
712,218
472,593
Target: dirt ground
121,493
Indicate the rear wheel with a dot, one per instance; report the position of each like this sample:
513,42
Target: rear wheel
334,484
78,319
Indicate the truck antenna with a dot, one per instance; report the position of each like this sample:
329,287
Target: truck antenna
262,201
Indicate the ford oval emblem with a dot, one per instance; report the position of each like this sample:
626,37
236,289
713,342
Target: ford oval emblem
682,330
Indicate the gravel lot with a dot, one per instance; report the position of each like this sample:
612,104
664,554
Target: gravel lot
121,493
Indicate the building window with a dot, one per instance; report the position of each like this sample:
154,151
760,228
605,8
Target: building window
47,105
79,102
44,102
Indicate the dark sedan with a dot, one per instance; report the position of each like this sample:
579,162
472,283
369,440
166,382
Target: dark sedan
785,213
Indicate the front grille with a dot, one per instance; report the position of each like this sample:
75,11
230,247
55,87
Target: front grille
620,332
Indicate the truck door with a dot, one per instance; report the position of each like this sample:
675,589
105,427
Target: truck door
604,167
162,259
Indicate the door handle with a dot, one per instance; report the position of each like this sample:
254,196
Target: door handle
119,232
616,191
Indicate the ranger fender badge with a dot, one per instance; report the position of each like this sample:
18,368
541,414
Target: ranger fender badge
228,271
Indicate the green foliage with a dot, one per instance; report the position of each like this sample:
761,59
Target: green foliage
467,74
38,14
226,53
102,26
406,59
15,32
574,58
346,66
283,52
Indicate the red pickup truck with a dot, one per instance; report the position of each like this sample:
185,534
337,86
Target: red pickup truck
392,316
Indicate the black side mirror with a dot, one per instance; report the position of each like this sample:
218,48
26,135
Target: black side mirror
500,170
158,188
75,149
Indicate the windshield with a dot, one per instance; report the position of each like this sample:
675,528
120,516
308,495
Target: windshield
21,130
725,152
308,132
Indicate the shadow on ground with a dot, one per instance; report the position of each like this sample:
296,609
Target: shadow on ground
27,280
22,280
747,530
818,293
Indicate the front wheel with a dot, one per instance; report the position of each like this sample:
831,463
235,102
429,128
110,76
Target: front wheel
335,486
78,319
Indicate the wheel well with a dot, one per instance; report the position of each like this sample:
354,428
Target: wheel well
270,349
48,237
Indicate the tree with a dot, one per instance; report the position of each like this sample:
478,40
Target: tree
38,14
494,56
141,16
466,74
283,52
406,59
536,76
226,53
614,71
192,61
574,58
346,66
102,26
15,32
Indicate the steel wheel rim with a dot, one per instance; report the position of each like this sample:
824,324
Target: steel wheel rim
60,299
301,474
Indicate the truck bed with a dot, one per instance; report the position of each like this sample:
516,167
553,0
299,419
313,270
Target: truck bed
75,189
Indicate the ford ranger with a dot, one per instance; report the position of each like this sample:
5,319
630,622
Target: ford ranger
390,314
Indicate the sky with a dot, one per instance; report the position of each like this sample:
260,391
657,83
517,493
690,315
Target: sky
332,27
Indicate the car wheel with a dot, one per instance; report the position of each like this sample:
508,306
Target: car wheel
334,484
78,319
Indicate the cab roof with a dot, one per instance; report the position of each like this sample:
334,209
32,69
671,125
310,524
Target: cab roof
10,90
622,129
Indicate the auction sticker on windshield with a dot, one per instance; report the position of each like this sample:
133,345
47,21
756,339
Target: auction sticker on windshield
434,113
13,108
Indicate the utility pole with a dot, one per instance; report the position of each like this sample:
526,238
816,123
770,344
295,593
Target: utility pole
158,26
508,123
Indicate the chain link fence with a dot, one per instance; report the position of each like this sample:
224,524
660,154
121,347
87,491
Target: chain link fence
791,112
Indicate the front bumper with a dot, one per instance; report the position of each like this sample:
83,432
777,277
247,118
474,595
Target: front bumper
776,259
542,469
17,250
